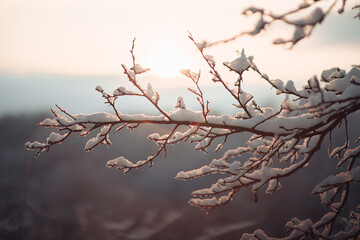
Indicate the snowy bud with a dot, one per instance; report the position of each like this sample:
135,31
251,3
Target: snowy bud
138,69
201,45
99,89
180,103
240,64
210,59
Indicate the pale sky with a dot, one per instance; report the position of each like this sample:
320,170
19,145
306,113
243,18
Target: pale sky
93,38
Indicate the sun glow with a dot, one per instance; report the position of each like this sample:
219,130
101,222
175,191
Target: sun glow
166,60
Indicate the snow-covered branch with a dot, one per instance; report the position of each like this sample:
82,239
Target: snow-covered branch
287,138
280,141
302,18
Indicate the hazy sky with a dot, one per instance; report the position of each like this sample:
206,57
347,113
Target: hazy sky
92,38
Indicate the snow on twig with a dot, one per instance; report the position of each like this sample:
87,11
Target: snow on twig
281,142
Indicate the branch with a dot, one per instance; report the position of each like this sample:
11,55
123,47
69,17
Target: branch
287,138
303,26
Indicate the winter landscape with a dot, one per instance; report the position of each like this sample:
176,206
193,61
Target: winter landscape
191,137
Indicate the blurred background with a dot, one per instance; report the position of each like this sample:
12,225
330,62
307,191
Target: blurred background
57,52
73,195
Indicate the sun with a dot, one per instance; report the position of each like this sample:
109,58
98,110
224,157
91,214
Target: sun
166,60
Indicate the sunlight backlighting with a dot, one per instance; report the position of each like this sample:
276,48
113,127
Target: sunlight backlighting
166,60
